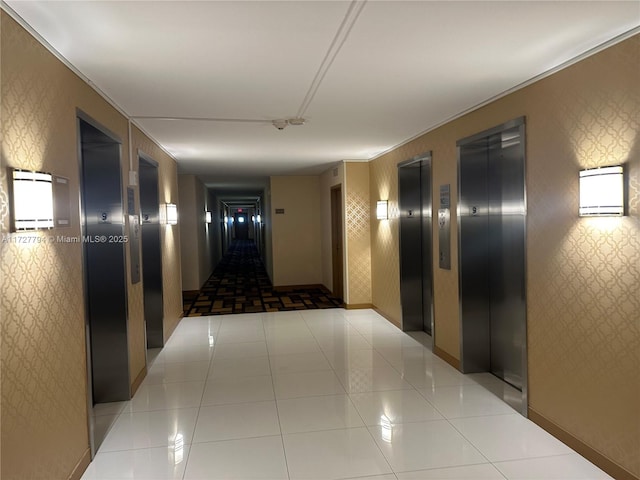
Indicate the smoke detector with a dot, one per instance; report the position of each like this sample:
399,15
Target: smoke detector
281,123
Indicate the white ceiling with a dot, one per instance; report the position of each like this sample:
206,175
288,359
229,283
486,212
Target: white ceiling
385,71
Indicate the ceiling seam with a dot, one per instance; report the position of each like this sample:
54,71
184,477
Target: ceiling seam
348,22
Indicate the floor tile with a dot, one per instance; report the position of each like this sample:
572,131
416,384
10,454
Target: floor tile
361,358
166,396
241,335
308,384
393,406
249,458
240,350
333,454
242,420
159,428
143,464
509,437
424,445
372,380
240,367
177,372
342,343
305,344
110,408
465,401
178,354
220,391
299,362
310,414
433,376
563,467
470,472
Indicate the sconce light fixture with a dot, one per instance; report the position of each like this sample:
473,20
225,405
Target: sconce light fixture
171,214
226,219
382,210
253,218
602,192
231,219
207,217
32,200
259,218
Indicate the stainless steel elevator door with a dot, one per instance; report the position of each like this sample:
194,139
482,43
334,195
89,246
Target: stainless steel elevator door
414,195
491,239
151,253
104,254
506,256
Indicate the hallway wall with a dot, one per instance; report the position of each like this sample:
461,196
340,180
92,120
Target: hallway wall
583,274
195,251
295,235
44,376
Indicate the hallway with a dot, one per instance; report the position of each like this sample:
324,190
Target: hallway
318,394
240,284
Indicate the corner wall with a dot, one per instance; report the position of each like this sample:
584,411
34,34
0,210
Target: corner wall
44,370
583,274
329,179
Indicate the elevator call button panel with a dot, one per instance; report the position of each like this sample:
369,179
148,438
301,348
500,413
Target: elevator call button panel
444,228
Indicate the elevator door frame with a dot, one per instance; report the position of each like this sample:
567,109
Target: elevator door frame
475,349
154,329
425,218
83,117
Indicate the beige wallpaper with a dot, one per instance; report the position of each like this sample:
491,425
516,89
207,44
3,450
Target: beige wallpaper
296,239
583,275
43,378
357,213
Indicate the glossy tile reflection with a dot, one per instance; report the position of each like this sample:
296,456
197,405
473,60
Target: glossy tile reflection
330,394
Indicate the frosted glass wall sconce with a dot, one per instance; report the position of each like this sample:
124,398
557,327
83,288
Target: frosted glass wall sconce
382,210
207,217
602,192
32,200
171,214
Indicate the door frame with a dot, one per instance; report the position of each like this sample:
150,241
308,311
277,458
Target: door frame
337,242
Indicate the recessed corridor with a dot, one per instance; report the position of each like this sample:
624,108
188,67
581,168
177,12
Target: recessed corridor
319,394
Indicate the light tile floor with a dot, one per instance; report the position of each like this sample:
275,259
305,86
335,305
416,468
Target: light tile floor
317,394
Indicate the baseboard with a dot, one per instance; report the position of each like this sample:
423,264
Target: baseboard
451,360
81,466
138,380
616,471
387,317
357,306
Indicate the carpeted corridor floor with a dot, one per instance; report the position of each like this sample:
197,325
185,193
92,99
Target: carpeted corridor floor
240,284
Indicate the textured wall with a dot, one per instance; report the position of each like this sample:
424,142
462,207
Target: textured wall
357,214
44,391
296,247
583,275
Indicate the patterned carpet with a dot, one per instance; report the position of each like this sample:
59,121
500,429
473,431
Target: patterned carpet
240,284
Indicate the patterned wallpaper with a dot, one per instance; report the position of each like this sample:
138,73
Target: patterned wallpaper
42,308
358,233
583,274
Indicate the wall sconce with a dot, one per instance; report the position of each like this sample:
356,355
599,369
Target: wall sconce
207,217
231,219
32,200
382,210
602,192
171,214
253,218
259,218
226,219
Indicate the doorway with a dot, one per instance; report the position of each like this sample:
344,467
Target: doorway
491,222
151,252
241,226
104,267
414,196
337,261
